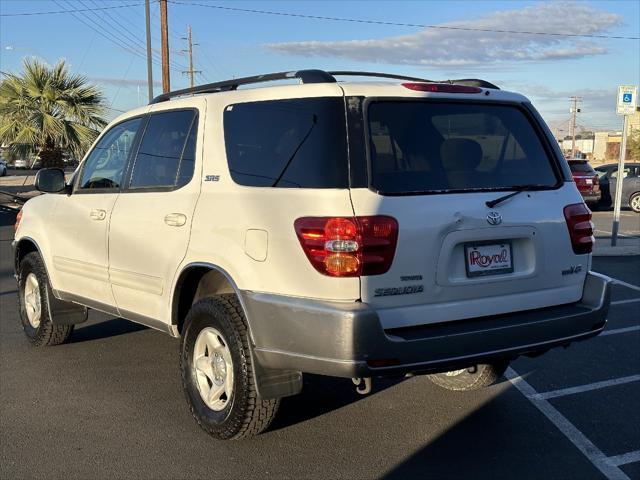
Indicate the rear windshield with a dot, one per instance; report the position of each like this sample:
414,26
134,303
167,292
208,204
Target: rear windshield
297,143
421,147
581,167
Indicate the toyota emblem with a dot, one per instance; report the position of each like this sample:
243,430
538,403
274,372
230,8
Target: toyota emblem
494,218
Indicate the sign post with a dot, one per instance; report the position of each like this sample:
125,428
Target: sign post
627,99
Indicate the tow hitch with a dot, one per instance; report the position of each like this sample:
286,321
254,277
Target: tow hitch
363,385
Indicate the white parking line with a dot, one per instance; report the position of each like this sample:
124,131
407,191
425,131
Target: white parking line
622,302
620,234
625,458
615,331
585,388
575,436
625,284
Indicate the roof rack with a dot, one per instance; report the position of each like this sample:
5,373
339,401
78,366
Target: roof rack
474,82
471,82
306,76
376,74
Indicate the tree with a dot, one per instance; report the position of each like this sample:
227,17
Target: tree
633,145
47,111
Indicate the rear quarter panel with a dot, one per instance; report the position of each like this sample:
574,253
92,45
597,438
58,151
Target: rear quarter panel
249,231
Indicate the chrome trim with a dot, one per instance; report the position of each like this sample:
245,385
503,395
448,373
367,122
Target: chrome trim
111,310
87,302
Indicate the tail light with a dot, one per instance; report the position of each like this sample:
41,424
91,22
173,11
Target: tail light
348,246
441,88
18,220
578,218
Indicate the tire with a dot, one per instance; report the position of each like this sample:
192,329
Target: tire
634,202
220,322
33,293
472,378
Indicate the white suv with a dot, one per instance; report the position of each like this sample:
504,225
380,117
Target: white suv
347,229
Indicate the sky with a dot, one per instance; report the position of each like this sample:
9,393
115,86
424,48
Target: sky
108,46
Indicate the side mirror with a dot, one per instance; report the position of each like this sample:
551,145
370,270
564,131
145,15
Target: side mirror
50,180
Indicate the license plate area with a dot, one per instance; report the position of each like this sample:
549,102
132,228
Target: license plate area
494,257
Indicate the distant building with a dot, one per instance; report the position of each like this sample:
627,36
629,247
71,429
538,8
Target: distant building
583,145
606,147
600,146
633,123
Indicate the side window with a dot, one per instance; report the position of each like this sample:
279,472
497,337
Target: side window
625,173
105,165
299,143
163,150
187,163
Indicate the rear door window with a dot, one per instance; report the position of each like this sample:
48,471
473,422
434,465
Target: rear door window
167,150
421,147
299,143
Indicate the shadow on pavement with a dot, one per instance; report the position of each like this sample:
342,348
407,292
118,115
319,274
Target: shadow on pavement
321,395
104,329
505,438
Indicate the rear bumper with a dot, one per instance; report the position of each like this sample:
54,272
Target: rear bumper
591,197
347,339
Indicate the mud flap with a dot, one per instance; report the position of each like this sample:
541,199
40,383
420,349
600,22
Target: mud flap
272,383
65,313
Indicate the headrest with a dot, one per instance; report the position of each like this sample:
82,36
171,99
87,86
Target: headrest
460,154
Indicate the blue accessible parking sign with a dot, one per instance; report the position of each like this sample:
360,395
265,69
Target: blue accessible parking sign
627,99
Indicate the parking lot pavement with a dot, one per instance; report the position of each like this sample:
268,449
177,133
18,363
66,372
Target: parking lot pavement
109,404
629,223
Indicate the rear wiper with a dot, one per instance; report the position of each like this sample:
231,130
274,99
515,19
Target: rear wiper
518,189
314,121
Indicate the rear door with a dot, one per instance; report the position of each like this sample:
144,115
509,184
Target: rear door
433,165
151,221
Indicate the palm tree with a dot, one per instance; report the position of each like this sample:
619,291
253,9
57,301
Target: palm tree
48,111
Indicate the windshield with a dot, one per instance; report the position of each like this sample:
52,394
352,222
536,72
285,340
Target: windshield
435,146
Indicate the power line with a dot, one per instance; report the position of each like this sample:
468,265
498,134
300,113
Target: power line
101,31
115,27
108,34
400,24
128,34
28,14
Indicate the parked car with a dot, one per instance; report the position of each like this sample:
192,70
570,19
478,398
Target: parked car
20,164
356,230
586,180
630,184
3,167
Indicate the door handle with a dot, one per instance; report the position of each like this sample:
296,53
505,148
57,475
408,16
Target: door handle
98,214
175,219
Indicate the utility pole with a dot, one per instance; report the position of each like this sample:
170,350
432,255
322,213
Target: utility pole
574,111
149,58
164,39
191,71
